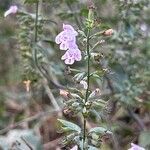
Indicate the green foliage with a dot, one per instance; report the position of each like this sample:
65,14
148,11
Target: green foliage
68,126
100,130
143,139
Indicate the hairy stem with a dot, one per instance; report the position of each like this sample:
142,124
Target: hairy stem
36,21
88,81
88,64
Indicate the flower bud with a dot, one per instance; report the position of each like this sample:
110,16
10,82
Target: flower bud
12,10
27,85
64,93
108,32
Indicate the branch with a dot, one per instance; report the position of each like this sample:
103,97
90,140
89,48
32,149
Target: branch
30,119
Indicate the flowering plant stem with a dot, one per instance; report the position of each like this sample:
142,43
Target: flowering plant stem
88,81
36,21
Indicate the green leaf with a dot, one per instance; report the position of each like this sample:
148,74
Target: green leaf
79,76
100,130
69,126
92,148
82,33
143,139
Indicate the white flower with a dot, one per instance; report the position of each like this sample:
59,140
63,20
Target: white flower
12,10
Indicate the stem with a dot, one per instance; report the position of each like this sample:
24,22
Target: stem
88,64
36,39
88,81
36,21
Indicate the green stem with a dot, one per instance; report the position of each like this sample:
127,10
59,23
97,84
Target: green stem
88,81
88,64
36,21
84,133
35,41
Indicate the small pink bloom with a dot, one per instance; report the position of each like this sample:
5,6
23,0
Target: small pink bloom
136,147
71,56
11,10
69,28
75,148
108,32
64,93
84,84
65,37
67,41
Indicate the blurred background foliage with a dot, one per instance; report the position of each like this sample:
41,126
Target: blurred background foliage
125,56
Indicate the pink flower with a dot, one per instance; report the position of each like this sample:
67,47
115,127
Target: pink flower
108,32
136,147
71,56
75,148
64,93
67,41
11,10
65,37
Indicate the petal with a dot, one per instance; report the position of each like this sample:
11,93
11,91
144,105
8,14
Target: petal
64,46
59,37
7,13
69,61
69,28
65,56
72,46
11,10
78,56
14,9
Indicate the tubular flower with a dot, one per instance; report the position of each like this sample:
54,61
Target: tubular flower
65,37
12,10
67,41
136,147
71,56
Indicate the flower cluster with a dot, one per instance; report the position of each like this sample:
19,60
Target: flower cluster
12,10
67,41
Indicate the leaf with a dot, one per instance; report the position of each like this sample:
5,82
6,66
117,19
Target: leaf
143,139
75,96
92,148
82,33
69,126
100,130
84,12
79,76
